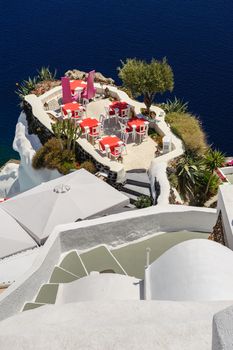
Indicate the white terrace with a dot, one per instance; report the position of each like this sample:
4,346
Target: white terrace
137,155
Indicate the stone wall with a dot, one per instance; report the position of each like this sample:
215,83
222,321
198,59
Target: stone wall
35,126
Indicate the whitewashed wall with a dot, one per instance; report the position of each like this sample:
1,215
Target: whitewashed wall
112,230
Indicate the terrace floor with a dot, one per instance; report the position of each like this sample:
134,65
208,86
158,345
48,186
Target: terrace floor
138,155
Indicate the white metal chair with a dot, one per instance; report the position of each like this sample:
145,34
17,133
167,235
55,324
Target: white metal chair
116,152
123,144
125,137
102,119
94,133
125,112
125,131
124,115
79,113
110,115
143,131
85,102
86,131
105,151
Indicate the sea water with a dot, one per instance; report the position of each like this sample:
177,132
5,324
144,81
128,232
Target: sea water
195,36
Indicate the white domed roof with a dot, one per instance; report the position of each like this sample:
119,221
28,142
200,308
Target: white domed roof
197,269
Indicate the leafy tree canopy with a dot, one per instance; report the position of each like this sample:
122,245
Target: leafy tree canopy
146,79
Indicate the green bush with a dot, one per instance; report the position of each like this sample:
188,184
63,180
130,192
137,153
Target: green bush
188,128
53,155
89,166
143,202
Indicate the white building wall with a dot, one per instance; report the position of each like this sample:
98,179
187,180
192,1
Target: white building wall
112,230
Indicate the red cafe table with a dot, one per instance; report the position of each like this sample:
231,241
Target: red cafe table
88,124
134,125
77,85
109,142
73,108
118,105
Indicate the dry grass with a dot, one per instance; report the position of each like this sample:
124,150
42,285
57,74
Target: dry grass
188,128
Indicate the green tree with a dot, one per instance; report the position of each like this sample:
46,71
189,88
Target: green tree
146,79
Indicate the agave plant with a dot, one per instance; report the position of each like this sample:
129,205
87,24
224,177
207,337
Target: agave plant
26,87
45,74
187,174
178,106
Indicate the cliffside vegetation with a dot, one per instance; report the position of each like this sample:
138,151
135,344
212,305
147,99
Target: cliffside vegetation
194,177
59,152
187,127
39,84
193,174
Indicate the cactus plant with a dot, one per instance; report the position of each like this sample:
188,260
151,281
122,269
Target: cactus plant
69,130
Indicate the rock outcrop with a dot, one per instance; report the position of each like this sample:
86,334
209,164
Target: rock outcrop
99,77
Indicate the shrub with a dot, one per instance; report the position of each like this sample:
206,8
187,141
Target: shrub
143,202
188,128
53,156
89,166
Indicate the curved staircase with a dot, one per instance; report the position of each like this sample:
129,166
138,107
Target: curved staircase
72,267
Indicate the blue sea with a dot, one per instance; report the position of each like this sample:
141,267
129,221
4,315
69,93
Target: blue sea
196,36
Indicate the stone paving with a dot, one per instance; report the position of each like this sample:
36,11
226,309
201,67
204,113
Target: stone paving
139,155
